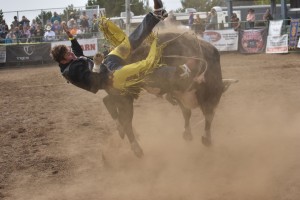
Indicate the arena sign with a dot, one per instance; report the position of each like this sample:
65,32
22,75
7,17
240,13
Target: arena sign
28,52
223,40
89,46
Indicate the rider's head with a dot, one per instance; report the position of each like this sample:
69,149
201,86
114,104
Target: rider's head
62,54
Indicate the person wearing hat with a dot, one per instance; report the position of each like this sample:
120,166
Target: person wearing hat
49,34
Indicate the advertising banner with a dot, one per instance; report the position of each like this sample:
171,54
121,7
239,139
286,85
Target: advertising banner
28,52
2,54
89,46
277,44
275,27
293,37
223,40
252,41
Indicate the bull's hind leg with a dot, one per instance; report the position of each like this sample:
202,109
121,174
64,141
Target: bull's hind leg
187,134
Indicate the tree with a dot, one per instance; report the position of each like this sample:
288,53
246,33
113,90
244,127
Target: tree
1,15
201,5
115,7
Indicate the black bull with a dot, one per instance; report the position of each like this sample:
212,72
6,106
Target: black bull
180,49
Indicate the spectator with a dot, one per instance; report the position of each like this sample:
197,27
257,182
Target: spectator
16,22
76,31
33,26
267,17
84,22
56,27
55,17
251,18
199,25
3,29
26,35
18,33
212,20
71,23
191,20
49,35
235,22
10,37
38,33
95,24
25,21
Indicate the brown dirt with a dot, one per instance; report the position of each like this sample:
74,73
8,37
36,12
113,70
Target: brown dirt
54,138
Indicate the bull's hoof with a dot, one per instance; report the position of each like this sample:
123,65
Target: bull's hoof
187,135
206,141
137,150
120,129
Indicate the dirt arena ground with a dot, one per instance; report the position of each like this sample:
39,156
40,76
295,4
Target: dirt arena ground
54,138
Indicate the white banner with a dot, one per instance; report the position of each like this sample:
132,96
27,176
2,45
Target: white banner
89,46
223,40
298,46
277,44
2,53
275,27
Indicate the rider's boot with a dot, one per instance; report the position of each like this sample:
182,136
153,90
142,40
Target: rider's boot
159,12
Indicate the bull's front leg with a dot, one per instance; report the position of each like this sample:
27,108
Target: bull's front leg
125,110
187,134
121,110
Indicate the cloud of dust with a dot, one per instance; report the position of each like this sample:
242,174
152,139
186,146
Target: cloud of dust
253,157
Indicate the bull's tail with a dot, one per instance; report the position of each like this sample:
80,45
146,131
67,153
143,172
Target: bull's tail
228,82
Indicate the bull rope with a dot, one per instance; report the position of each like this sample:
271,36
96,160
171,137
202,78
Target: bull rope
199,73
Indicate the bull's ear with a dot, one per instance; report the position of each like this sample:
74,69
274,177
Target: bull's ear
228,82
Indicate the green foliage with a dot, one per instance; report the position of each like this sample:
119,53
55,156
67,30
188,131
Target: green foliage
1,15
44,16
201,5
115,7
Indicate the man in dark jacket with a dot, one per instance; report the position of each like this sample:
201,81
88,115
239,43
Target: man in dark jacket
77,68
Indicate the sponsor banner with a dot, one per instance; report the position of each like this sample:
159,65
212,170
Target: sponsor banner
298,43
28,52
252,41
275,27
293,33
2,53
277,44
223,40
89,46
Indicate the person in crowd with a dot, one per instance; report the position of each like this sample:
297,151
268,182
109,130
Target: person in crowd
191,20
38,33
212,20
33,27
3,29
235,22
18,33
267,17
55,17
251,18
75,31
56,27
199,25
16,22
26,35
10,37
84,22
25,21
77,69
71,23
49,35
95,25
